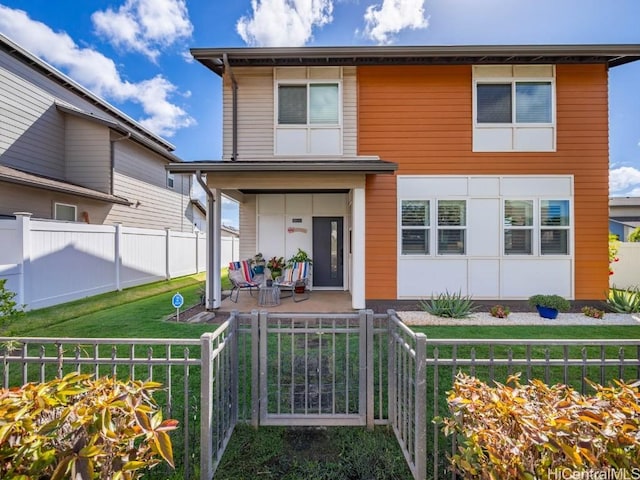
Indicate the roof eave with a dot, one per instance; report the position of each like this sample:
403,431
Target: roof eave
357,166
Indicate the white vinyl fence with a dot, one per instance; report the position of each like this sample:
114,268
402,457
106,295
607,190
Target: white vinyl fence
47,262
626,271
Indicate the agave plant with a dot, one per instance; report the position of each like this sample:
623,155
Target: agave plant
624,301
450,305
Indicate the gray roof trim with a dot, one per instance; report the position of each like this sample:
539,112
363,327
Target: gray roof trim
18,177
610,54
344,166
71,110
47,70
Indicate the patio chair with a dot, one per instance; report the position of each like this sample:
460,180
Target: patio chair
242,277
295,279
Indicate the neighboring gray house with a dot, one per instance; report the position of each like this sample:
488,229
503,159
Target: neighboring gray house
624,216
67,154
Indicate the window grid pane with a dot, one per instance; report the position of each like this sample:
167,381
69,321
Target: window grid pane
292,104
518,242
554,242
415,213
452,213
533,102
323,104
451,242
415,241
554,213
493,103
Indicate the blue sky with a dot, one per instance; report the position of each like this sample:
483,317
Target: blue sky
135,53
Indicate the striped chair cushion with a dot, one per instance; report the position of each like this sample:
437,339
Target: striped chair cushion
298,271
245,267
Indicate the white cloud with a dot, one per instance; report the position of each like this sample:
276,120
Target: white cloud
284,23
144,26
383,22
96,72
622,178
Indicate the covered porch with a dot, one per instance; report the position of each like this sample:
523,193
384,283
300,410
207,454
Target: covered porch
317,206
320,301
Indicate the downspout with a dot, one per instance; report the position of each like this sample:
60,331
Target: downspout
234,108
213,274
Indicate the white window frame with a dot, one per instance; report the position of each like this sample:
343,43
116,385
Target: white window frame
59,204
428,228
538,228
483,76
307,83
171,181
464,227
532,227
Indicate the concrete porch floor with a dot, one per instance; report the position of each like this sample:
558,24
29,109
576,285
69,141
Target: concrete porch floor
320,301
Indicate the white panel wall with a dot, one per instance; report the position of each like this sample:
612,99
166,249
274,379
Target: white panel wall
10,254
483,272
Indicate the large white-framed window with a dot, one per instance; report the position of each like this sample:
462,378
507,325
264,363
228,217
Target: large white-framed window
452,227
537,226
308,117
514,108
65,212
415,225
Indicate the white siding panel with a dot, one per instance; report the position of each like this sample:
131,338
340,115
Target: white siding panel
298,203
419,278
534,139
88,161
349,111
271,235
492,139
324,141
524,278
416,187
484,227
524,186
484,278
484,186
291,141
270,204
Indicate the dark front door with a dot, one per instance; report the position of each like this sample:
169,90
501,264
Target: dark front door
327,252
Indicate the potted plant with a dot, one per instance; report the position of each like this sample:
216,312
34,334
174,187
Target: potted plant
275,266
548,306
257,263
300,256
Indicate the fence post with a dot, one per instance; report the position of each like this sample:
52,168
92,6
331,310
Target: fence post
117,255
167,262
264,388
391,369
23,229
366,319
420,403
255,369
206,405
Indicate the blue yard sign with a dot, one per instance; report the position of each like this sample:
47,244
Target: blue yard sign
177,301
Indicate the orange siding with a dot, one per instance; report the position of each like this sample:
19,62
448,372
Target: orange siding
421,118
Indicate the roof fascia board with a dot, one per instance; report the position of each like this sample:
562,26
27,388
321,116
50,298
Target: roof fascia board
610,54
359,166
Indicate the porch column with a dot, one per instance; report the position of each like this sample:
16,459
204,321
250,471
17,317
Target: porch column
358,249
214,277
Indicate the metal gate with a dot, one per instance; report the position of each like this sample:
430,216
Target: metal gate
313,369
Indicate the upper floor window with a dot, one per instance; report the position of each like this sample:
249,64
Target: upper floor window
171,180
309,104
514,108
514,102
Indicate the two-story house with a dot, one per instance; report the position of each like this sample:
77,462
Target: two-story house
68,155
411,171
